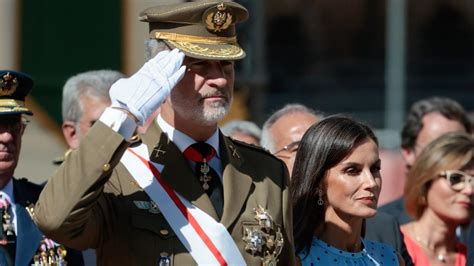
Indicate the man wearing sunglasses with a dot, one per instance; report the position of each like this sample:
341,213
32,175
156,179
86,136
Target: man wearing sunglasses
20,239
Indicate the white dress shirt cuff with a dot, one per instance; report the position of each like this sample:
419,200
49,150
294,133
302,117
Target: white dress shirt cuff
119,122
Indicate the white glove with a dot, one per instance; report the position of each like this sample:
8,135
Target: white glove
143,92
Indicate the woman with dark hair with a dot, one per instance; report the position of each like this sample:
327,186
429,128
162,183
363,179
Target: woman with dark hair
335,185
439,193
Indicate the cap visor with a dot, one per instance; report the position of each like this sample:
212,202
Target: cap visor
209,51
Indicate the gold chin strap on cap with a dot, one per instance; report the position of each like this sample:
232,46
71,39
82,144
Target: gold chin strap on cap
176,37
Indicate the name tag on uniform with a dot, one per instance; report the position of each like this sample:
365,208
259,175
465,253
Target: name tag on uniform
147,205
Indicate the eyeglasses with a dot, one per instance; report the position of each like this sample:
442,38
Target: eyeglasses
13,124
290,148
457,179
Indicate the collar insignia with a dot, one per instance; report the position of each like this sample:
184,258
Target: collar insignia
234,152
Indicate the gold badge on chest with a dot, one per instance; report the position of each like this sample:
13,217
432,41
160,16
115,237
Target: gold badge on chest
264,239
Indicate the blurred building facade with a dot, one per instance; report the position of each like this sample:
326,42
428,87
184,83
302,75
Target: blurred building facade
329,55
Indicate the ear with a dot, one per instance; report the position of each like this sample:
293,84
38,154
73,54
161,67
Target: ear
70,134
409,156
22,130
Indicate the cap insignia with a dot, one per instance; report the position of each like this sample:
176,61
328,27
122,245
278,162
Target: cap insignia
8,84
220,20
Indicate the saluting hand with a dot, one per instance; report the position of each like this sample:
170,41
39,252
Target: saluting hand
143,92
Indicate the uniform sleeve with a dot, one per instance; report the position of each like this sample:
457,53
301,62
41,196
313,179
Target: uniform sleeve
72,208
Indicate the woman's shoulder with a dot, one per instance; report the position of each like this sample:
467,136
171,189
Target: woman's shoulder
381,252
324,254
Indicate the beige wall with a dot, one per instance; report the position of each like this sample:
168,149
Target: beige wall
135,33
41,143
9,29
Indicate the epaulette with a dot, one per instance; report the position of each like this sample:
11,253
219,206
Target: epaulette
253,147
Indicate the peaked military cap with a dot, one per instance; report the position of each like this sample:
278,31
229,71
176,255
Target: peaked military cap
202,30
14,86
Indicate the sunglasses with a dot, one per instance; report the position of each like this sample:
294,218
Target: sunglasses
13,124
457,179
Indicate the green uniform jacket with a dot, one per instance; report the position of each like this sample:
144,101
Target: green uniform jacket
90,202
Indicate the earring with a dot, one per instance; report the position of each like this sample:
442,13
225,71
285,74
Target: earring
320,200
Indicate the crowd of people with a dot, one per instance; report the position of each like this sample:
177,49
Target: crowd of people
150,178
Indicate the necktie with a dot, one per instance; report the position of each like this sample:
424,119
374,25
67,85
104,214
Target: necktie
201,153
7,234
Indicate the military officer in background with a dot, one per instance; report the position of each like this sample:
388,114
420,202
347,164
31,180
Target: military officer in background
182,193
21,242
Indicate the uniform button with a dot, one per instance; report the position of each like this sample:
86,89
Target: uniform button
134,138
164,232
106,167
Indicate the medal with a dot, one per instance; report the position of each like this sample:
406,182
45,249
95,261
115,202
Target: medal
50,253
7,224
204,178
263,239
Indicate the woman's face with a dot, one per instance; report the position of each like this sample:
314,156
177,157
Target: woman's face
353,185
455,200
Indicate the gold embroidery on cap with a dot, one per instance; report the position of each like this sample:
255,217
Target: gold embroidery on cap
8,84
176,37
220,20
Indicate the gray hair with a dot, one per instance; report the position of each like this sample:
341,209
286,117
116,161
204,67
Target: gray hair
245,127
153,47
95,83
267,140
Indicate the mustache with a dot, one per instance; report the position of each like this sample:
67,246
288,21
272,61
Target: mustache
215,93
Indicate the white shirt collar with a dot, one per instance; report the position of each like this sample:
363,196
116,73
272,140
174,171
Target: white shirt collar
8,192
182,140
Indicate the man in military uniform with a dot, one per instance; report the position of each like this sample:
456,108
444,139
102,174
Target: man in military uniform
21,242
182,193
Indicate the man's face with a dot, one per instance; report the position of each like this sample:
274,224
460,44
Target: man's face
92,109
434,126
204,95
11,131
287,132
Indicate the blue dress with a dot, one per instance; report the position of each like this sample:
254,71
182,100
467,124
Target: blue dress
374,253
